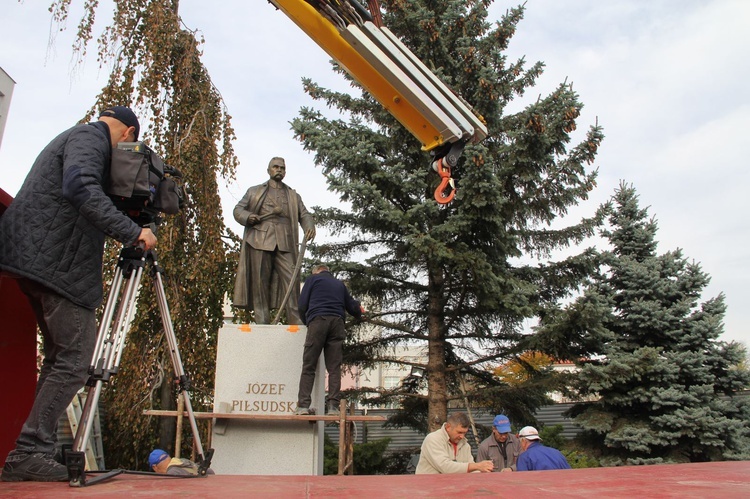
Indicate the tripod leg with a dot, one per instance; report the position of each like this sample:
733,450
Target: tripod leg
110,342
106,319
179,370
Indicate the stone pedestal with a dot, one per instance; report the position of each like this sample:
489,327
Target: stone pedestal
257,372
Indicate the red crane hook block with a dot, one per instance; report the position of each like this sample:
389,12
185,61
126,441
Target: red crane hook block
447,189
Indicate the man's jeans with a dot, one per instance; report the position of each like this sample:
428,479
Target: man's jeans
69,334
324,334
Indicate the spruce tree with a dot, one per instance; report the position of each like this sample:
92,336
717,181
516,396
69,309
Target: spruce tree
663,384
459,280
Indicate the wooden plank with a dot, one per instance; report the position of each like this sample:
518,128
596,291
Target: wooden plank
261,417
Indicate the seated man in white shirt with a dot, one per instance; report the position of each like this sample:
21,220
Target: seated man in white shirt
446,450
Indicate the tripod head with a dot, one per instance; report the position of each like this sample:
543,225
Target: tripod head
145,217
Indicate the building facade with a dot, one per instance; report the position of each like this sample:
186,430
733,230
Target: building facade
6,93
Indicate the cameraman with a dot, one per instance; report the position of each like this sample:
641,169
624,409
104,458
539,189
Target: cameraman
52,241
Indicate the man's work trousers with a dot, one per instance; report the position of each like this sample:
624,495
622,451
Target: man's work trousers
69,336
324,334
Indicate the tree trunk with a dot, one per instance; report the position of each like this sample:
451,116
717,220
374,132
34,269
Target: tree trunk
437,392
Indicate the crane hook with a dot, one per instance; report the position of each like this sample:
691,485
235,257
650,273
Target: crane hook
444,170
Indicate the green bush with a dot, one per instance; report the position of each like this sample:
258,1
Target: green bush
578,459
552,437
368,457
397,462
576,455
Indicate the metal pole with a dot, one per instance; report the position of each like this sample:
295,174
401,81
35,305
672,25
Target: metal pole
292,283
468,409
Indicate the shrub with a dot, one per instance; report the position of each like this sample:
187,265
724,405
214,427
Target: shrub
368,457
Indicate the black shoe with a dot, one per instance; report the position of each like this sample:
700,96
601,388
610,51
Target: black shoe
37,467
333,410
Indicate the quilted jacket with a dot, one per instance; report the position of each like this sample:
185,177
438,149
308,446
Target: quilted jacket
53,232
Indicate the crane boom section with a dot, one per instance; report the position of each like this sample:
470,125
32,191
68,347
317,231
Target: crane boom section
392,74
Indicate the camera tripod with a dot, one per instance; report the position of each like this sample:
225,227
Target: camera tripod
110,343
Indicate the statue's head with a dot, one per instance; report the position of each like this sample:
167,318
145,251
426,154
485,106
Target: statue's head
277,168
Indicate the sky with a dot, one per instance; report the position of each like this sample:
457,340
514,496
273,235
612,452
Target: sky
666,79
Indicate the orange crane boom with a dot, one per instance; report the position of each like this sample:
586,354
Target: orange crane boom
439,118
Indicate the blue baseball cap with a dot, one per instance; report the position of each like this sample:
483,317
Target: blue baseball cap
501,423
156,456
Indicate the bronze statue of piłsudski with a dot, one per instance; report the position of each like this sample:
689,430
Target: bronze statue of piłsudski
270,213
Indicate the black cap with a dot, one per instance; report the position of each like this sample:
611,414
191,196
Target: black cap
125,115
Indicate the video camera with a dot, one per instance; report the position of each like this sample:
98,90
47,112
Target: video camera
142,186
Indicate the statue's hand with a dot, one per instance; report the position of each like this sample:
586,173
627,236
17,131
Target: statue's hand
253,219
310,234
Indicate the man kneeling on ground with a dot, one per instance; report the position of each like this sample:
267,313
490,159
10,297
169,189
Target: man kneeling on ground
161,462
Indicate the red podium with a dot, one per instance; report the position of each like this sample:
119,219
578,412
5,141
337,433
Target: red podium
18,355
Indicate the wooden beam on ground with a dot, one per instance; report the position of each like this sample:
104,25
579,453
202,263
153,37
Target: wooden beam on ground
267,417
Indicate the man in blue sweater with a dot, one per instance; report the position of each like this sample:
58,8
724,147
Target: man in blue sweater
323,304
535,456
